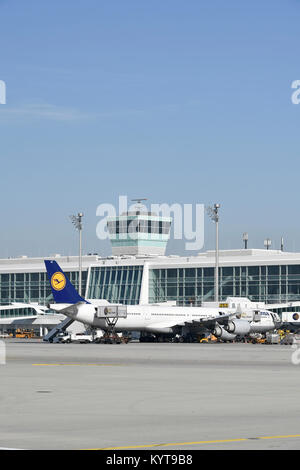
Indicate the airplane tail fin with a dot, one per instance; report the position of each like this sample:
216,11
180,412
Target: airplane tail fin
62,289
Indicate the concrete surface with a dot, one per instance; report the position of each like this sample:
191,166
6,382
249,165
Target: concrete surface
149,396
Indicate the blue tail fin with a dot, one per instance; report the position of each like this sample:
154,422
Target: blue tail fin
62,289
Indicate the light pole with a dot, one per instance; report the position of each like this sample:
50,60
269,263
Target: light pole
267,243
77,222
245,239
213,213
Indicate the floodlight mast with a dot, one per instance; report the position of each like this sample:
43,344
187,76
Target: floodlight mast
213,213
77,222
245,240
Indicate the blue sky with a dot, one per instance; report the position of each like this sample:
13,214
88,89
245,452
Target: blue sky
175,101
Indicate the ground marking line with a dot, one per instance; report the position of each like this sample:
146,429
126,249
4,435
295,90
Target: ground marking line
71,364
217,441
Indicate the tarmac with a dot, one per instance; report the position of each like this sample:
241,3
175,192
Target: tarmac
149,396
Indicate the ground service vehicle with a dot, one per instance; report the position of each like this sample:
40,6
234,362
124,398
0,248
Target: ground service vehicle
20,333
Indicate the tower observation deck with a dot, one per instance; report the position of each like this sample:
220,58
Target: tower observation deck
139,232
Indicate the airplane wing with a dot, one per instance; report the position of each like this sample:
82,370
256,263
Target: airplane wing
208,322
204,322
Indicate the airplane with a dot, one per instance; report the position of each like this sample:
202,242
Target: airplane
291,321
183,322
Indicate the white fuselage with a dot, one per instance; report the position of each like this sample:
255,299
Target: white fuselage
266,320
163,319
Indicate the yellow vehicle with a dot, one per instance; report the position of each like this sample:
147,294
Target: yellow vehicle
203,340
208,339
283,333
258,339
261,340
24,333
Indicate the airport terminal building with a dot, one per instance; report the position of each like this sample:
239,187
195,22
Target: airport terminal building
139,271
261,275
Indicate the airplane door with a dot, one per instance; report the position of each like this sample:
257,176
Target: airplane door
274,318
148,315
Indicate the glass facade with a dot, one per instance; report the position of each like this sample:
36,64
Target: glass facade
32,287
17,312
138,225
185,285
120,284
268,284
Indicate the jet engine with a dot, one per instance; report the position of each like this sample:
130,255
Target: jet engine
238,327
223,334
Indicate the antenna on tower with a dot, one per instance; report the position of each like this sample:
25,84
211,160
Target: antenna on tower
139,202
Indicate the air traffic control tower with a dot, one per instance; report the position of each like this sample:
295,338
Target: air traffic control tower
139,232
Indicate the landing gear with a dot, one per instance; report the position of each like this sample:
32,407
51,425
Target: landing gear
145,338
178,339
183,339
110,338
188,339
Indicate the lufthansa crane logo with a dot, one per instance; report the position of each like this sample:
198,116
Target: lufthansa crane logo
58,281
